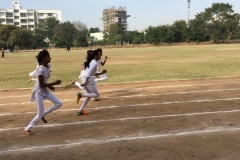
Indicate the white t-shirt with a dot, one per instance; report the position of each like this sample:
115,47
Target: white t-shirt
90,72
98,65
41,70
34,73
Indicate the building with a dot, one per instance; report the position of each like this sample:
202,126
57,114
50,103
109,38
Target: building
98,36
26,18
113,15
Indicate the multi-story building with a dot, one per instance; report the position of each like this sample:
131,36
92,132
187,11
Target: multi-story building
113,15
26,18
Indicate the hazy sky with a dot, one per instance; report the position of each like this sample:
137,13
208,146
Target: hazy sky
147,12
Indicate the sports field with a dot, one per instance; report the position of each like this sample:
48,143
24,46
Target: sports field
190,119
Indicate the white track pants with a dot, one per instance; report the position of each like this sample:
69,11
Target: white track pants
90,92
40,106
101,77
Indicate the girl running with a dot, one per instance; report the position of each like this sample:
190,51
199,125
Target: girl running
101,77
82,72
34,74
40,91
88,81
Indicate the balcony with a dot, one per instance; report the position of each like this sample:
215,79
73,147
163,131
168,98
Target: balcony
30,23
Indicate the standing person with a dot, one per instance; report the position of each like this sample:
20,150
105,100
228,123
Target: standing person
40,91
89,82
2,53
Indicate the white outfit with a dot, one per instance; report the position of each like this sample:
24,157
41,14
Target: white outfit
90,88
101,77
81,76
34,73
39,94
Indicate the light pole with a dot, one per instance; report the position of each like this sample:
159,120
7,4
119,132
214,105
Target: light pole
135,23
189,1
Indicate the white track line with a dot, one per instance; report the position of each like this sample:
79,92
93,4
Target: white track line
132,105
141,136
132,96
155,87
122,119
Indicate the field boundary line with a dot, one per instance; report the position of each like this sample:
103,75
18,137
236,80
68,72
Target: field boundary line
136,82
105,140
122,119
141,88
130,96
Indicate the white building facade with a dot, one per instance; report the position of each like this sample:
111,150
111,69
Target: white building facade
98,36
26,18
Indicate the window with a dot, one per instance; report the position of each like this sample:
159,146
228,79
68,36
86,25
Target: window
40,14
16,11
30,26
16,23
50,14
9,15
23,21
2,13
2,20
41,20
23,15
16,17
24,26
30,20
30,14
9,20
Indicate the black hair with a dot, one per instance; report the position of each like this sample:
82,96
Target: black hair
99,50
90,56
41,55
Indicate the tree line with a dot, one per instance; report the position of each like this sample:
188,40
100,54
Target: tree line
217,23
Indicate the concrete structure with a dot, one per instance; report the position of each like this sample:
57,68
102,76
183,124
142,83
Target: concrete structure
98,36
26,18
113,15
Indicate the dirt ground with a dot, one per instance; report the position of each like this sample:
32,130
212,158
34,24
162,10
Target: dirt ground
194,119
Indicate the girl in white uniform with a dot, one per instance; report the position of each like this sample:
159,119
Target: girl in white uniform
82,72
101,77
40,91
34,74
89,82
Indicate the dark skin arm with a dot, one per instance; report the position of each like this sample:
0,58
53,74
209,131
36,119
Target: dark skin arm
49,85
103,63
96,74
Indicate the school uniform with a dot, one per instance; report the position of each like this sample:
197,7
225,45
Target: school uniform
39,94
101,77
91,90
34,73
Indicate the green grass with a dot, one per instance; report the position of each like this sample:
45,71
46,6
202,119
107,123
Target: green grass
129,64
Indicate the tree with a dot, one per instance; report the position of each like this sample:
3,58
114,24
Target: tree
46,27
94,30
21,37
115,32
5,31
131,35
82,34
152,35
64,34
179,30
218,21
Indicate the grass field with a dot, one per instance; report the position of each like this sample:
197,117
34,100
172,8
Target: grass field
129,64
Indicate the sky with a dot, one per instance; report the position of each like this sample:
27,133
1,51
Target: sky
143,13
